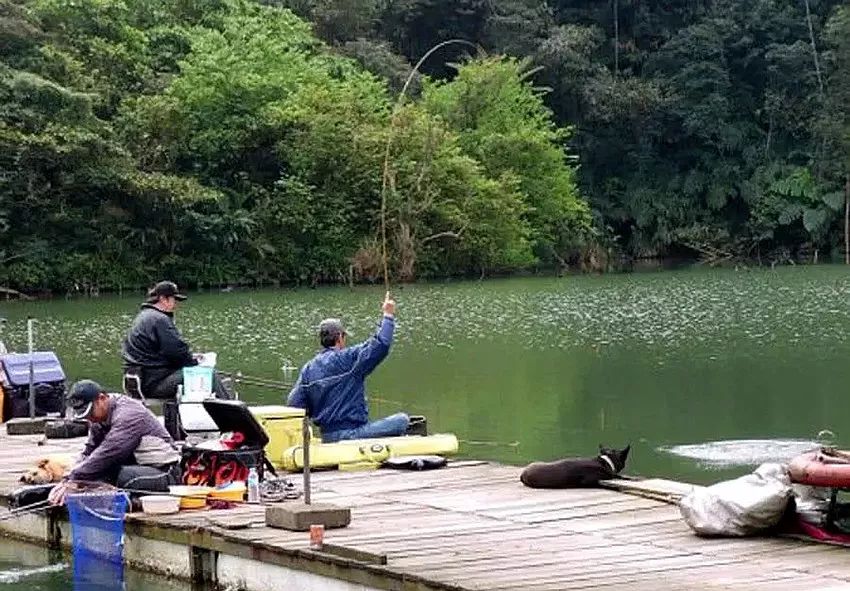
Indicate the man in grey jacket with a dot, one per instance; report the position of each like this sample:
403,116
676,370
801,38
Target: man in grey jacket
127,445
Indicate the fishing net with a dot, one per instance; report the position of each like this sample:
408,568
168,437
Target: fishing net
97,531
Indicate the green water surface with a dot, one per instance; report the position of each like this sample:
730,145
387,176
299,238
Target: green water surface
554,366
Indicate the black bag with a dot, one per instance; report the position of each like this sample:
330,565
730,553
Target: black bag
208,467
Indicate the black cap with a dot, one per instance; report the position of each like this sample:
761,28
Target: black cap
330,329
165,289
82,396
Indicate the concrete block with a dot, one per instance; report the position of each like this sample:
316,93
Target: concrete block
299,517
26,426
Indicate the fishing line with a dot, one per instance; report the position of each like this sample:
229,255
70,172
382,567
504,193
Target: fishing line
399,404
511,444
386,174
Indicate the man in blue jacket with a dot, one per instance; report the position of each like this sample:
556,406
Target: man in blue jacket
331,386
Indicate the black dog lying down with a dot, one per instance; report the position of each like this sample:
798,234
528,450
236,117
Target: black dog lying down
575,472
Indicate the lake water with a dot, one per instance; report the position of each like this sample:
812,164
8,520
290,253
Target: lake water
527,369
26,567
706,372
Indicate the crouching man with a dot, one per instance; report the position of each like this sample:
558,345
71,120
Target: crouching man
127,445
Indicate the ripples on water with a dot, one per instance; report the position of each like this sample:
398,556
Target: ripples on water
661,313
750,452
20,574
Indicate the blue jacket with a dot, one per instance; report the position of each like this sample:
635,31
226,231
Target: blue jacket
331,386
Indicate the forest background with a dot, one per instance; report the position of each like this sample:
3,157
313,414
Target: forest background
221,142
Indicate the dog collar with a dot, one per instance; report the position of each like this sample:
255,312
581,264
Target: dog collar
609,462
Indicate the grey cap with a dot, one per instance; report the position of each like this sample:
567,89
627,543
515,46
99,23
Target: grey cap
331,328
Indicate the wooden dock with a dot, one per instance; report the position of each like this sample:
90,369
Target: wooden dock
469,526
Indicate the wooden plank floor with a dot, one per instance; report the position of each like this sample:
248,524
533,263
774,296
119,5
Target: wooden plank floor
474,526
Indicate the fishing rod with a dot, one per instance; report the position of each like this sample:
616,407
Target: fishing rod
26,510
485,443
385,181
241,378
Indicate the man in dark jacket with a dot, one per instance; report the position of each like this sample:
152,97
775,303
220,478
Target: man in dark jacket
331,386
155,347
127,445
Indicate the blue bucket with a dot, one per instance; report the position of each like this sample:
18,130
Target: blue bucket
97,531
97,524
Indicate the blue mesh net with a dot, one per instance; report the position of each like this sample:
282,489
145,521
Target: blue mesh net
97,530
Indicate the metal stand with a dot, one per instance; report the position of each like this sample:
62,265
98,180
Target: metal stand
3,349
305,434
30,348
300,516
30,425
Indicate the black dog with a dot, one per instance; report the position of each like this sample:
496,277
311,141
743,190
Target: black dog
576,472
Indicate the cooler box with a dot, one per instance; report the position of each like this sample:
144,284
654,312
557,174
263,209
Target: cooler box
283,425
209,467
48,382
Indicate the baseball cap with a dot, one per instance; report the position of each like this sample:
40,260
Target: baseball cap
331,328
82,396
165,289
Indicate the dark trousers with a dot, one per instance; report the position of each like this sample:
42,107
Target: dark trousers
135,478
162,385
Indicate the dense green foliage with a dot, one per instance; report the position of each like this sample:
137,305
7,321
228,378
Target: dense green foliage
221,141
218,141
715,128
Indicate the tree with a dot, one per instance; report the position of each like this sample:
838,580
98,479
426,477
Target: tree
502,121
835,119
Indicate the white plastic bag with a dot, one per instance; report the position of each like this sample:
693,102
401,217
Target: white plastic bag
741,507
812,503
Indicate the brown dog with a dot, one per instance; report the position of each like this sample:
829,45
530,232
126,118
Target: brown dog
50,469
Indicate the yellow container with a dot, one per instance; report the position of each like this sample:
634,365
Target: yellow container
235,491
283,425
356,451
191,497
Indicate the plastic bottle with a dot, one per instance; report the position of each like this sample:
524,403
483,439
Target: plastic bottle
253,486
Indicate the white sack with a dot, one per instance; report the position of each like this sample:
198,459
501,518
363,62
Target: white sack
740,507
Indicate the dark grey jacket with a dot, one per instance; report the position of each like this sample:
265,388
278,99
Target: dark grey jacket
155,342
131,434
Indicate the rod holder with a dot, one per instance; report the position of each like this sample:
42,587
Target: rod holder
30,349
305,434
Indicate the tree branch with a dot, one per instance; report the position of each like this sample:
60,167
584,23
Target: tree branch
446,234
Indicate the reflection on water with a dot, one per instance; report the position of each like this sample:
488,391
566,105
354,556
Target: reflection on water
25,567
92,573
